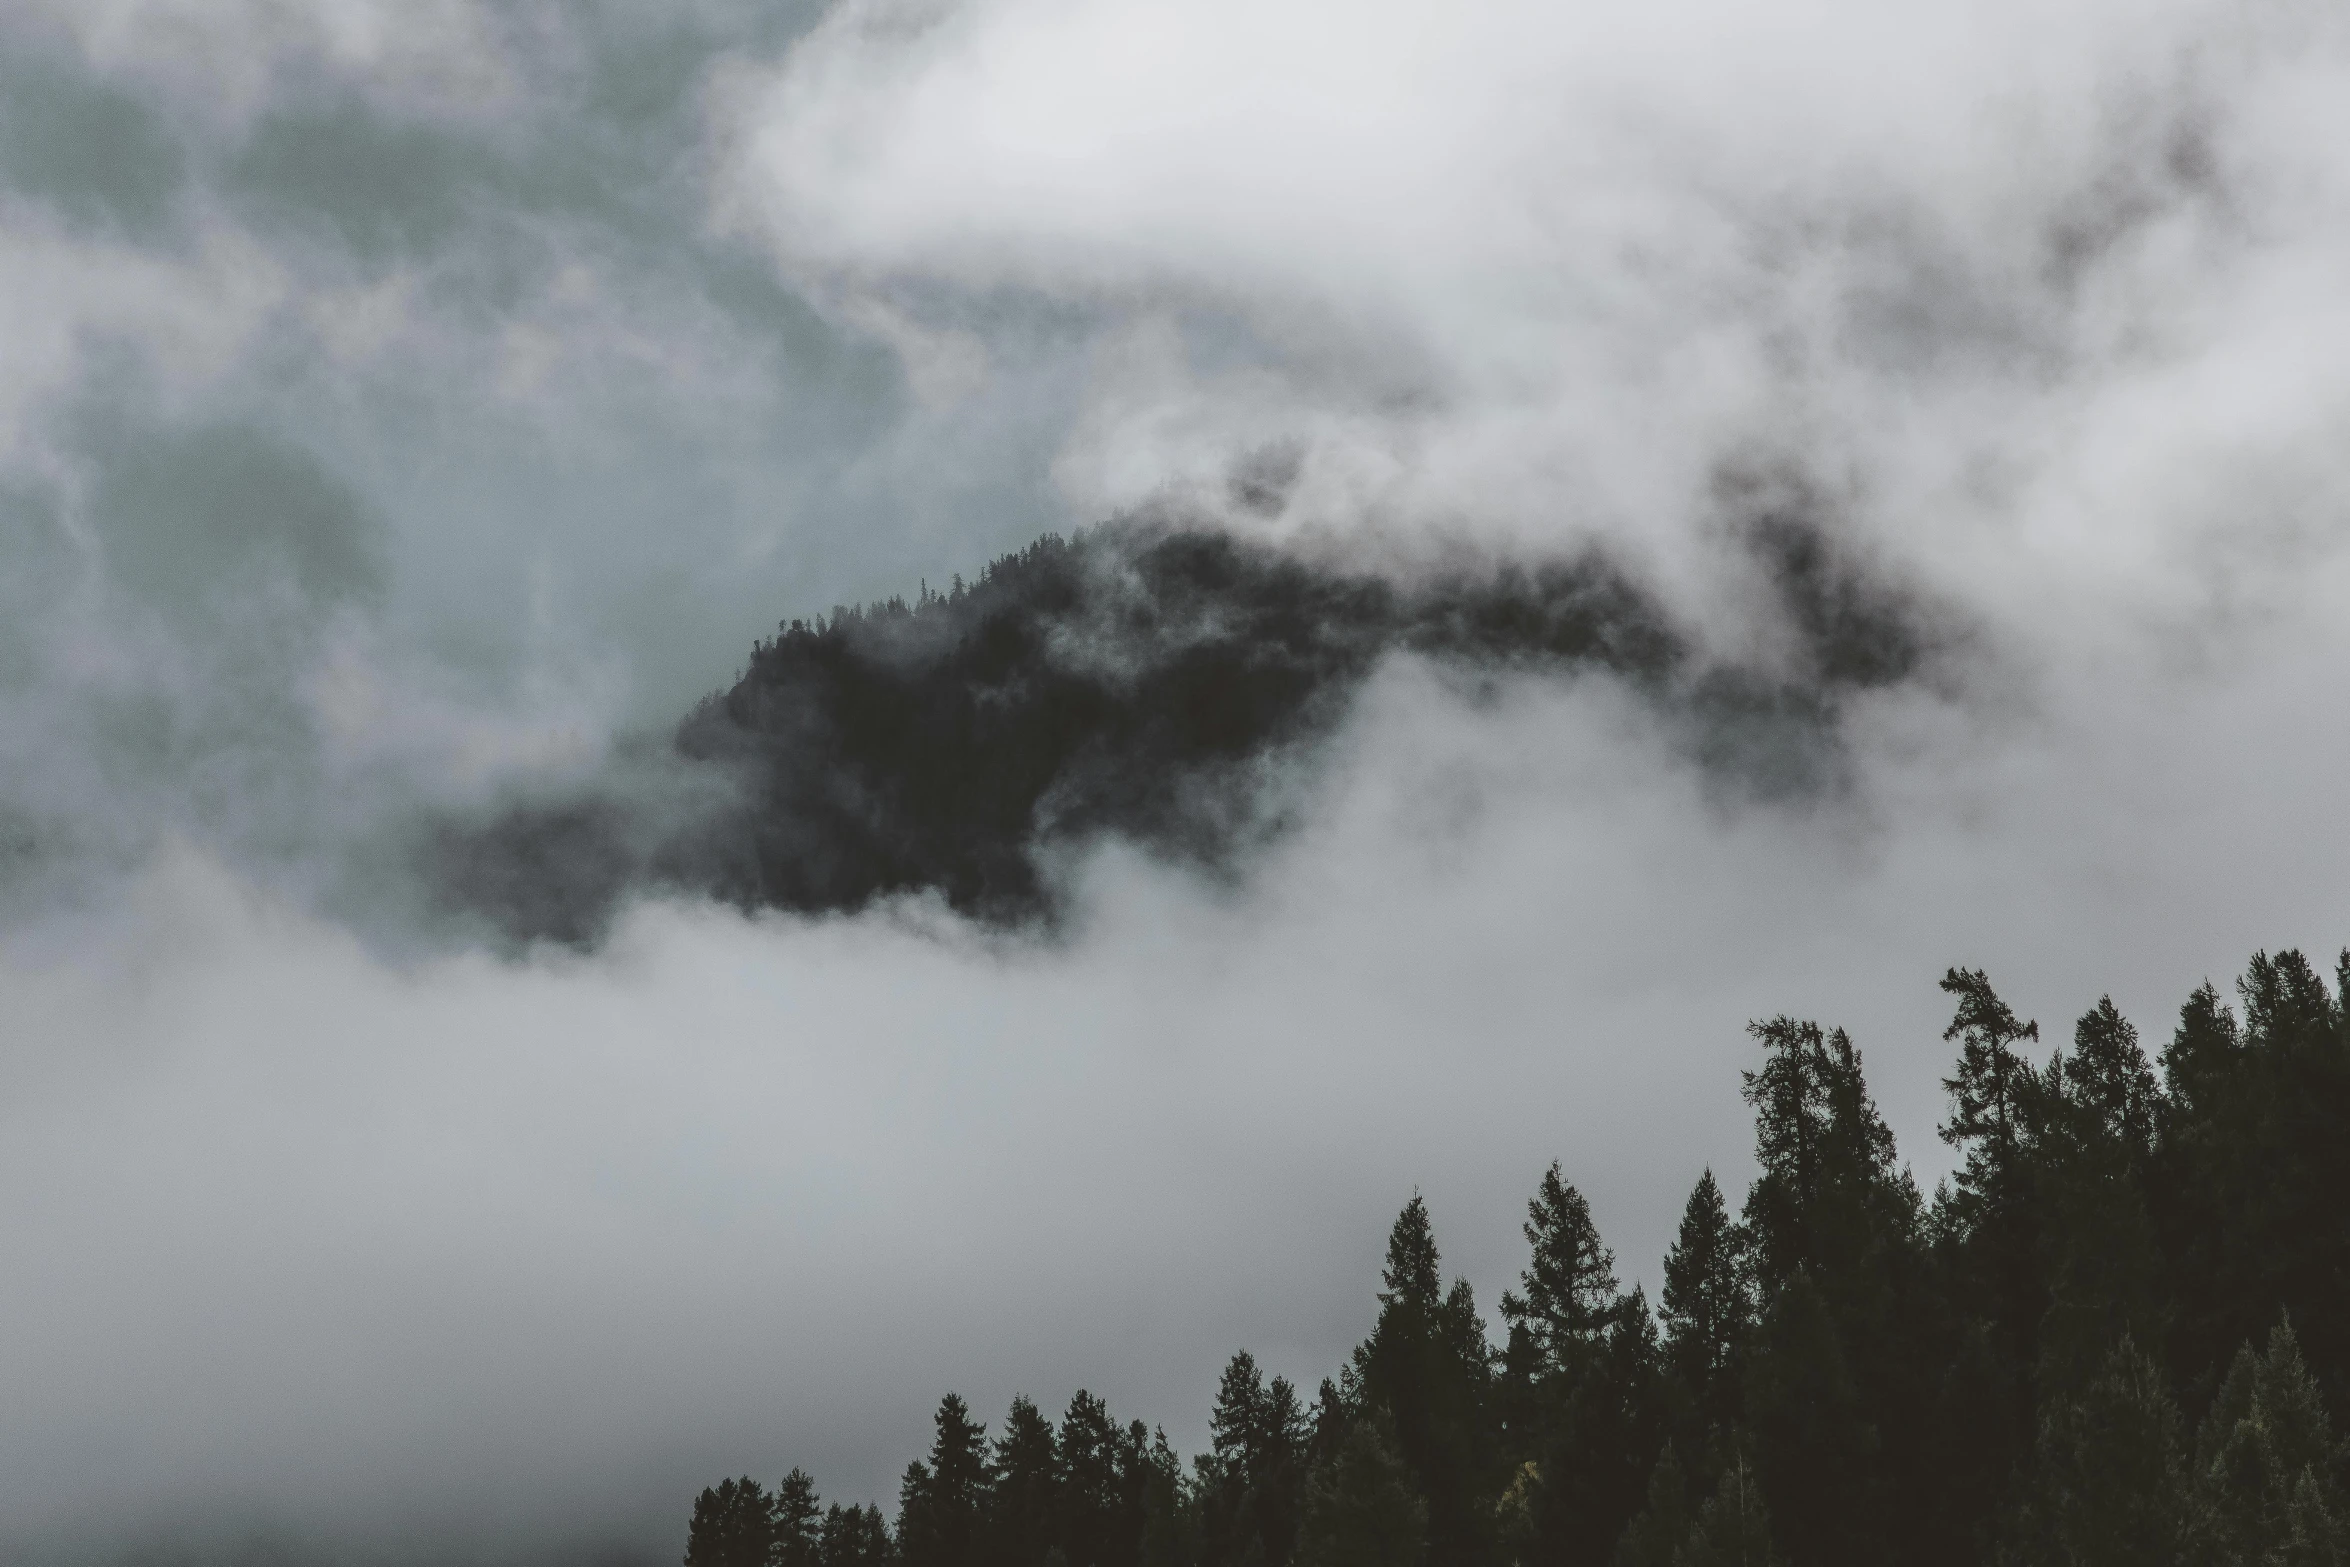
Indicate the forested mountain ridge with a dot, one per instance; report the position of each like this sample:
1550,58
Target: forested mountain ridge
1158,683
2117,1334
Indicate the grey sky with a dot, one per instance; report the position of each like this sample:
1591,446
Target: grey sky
400,401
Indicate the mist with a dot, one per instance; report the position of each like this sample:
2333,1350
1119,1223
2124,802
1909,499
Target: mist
411,412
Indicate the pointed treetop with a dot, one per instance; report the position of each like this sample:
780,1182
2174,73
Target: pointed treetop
1413,1273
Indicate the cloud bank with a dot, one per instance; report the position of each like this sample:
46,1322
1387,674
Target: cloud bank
407,410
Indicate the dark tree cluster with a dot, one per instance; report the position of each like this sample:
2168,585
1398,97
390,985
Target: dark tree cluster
1138,681
2112,1338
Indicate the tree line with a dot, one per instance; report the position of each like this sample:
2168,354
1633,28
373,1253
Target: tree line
2113,1335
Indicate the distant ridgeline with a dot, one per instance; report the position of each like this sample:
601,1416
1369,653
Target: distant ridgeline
1133,681
2112,1337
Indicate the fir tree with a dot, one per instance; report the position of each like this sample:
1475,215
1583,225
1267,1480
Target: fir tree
1656,1536
1252,1479
1024,1502
1360,1507
2103,1261
1570,1283
1991,1222
2109,1475
942,1503
733,1526
1733,1527
1093,1491
2267,1470
1708,1312
854,1537
1426,1363
798,1522
1818,1445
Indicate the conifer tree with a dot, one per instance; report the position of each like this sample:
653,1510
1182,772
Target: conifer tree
1024,1501
1171,1534
1583,1404
1828,1193
1991,1092
2103,1259
854,1537
1655,1537
1708,1312
1991,1222
942,1503
1252,1479
1818,1447
1426,1363
1360,1507
2202,1054
1733,1527
1570,1282
733,1526
798,1522
1093,1485
2267,1469
2108,1477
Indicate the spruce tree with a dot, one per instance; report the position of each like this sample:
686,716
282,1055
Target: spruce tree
1570,1282
2103,1257
733,1526
1708,1310
2109,1475
1582,1396
1426,1363
1654,1538
1171,1533
1733,1527
798,1522
1094,1521
942,1503
854,1537
1818,1446
1991,1222
1024,1501
1360,1507
1253,1477
2267,1469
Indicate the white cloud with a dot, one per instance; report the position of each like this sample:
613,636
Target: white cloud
2009,271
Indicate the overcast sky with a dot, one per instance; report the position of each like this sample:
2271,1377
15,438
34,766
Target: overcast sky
403,401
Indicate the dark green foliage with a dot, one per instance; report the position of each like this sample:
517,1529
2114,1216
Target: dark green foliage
2109,1475
1841,1377
1730,1528
1360,1507
2267,1470
1655,1536
1733,1527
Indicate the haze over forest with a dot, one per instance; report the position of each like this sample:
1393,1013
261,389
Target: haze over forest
714,717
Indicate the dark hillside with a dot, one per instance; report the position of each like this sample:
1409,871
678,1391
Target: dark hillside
1151,683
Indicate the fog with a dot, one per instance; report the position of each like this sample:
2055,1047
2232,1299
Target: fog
403,406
